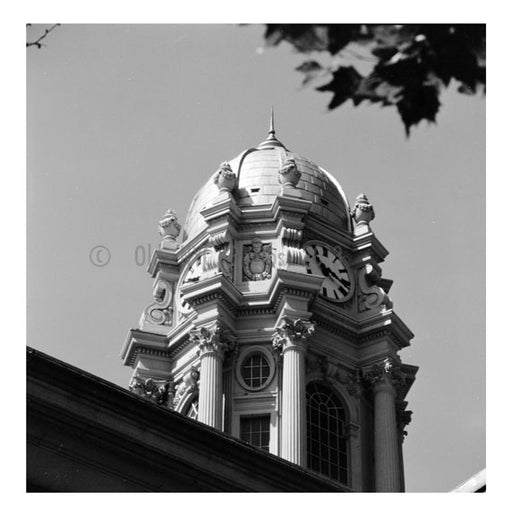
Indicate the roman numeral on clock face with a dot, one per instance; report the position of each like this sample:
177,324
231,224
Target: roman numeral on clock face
322,261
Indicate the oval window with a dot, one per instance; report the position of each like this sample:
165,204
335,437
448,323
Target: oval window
255,370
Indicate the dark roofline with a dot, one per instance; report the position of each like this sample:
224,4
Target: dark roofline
155,442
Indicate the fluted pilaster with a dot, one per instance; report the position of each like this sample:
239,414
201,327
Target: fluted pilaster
213,345
290,339
388,465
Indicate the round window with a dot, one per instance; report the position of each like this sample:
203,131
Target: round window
256,368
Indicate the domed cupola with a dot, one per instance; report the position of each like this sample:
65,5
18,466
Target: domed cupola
271,321
261,172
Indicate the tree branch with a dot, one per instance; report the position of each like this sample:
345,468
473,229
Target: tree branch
37,43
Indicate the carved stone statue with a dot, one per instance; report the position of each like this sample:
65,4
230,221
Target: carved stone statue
170,229
155,390
187,386
257,261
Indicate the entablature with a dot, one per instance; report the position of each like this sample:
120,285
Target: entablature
138,341
317,229
369,243
388,324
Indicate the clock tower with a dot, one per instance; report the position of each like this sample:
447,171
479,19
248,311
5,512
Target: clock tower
271,321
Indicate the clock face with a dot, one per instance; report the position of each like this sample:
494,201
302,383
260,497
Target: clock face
192,273
321,260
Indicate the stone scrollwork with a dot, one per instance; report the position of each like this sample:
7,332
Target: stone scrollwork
257,261
292,238
313,363
221,257
292,331
371,295
352,381
154,390
160,312
169,228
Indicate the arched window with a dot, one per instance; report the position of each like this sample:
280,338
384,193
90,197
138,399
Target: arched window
326,433
193,409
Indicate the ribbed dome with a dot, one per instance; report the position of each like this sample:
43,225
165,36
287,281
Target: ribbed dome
257,170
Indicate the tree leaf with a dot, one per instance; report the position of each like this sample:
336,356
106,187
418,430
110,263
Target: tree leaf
311,70
345,82
417,104
414,62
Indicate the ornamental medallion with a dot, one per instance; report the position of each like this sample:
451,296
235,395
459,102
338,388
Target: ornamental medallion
257,261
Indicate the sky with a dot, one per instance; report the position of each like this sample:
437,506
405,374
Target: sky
127,121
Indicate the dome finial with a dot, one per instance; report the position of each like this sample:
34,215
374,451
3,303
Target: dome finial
271,142
271,131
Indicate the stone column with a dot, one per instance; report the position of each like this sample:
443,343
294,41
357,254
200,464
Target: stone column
388,465
290,339
213,345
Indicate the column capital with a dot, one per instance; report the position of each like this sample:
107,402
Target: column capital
384,375
215,340
292,333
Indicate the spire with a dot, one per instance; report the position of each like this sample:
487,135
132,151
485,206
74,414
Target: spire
271,140
272,131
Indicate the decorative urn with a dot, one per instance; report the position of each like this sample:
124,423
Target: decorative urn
289,175
225,178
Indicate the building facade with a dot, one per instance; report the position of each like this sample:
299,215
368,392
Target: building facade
271,321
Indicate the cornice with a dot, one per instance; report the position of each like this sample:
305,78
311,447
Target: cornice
163,257
370,241
386,324
138,341
317,229
336,329
249,303
209,289
137,337
227,208
409,372
293,204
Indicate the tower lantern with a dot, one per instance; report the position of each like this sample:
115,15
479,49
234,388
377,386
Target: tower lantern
271,321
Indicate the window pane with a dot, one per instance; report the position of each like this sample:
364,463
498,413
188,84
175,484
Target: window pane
326,443
193,409
255,370
256,430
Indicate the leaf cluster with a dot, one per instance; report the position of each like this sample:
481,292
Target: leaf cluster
411,64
